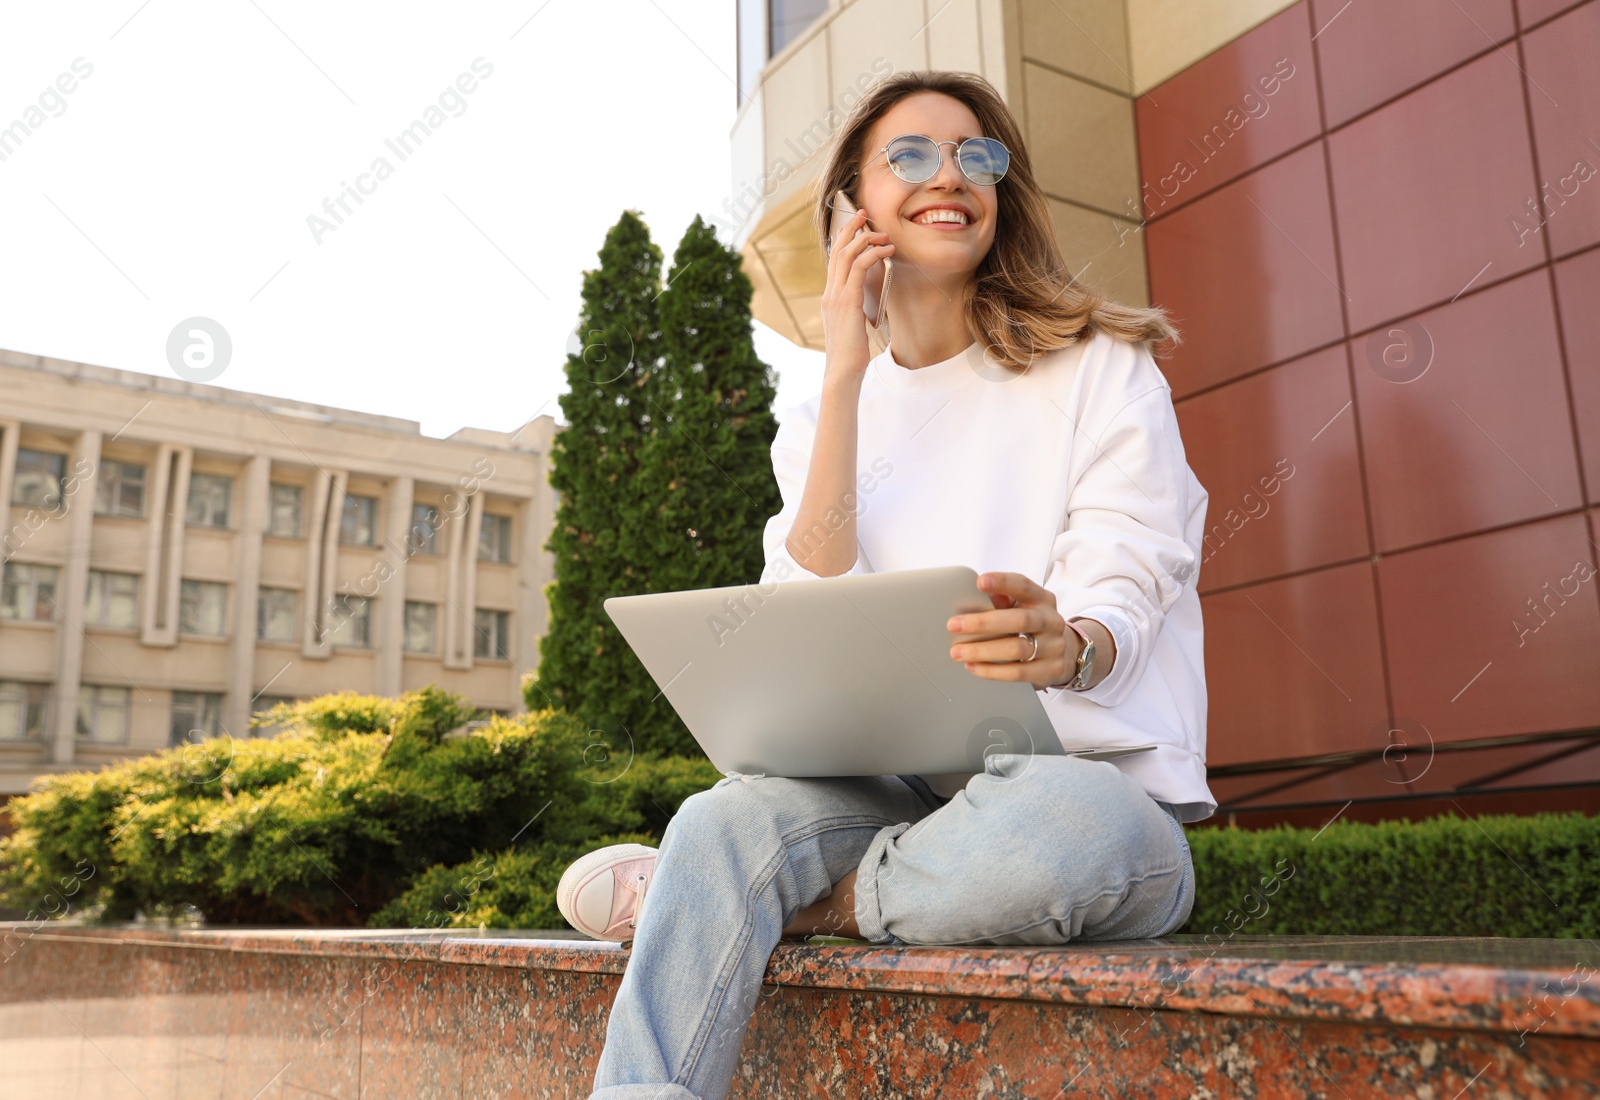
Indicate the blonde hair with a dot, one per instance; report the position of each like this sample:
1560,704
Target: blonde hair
1024,301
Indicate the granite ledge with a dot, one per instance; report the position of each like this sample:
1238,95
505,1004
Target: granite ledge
1490,984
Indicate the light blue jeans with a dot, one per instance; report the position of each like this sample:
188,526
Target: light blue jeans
1037,850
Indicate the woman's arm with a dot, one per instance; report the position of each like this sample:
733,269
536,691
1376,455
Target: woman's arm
815,543
822,540
1124,558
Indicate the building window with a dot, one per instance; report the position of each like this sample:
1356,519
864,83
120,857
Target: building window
359,524
765,28
202,608
423,538
210,496
789,18
262,704
275,614
196,716
494,538
420,619
28,592
22,710
283,511
492,636
119,489
103,714
113,600
40,480
352,622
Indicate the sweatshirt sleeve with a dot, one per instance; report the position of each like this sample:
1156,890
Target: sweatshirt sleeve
791,461
1122,558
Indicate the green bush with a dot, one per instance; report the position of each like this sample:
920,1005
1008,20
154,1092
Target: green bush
388,812
516,888
329,821
1535,876
346,712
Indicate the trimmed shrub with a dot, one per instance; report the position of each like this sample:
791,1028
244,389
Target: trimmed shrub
1496,876
1500,875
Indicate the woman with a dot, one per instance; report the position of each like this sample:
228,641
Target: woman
1019,425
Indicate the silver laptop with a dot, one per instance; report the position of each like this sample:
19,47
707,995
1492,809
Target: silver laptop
847,675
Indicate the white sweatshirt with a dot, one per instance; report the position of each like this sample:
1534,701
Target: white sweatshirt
1072,474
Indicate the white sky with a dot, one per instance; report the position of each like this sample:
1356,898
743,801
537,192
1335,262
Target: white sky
178,180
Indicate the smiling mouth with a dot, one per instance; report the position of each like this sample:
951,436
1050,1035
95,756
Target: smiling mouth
945,223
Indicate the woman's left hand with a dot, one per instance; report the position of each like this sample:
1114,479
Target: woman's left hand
1021,607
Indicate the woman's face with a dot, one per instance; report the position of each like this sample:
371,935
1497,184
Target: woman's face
944,250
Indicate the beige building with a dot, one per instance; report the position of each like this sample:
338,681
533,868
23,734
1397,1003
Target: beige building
178,556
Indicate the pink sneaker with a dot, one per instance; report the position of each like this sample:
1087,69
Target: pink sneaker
602,893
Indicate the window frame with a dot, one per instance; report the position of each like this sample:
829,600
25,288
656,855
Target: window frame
34,570
95,696
183,602
25,465
209,707
104,601
110,482
433,628
350,517
299,493
261,608
429,545
225,482
349,600
35,715
499,638
502,523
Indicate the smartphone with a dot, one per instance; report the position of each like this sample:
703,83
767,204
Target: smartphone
875,290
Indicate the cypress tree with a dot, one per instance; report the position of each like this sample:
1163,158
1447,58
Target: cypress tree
584,664
705,471
664,470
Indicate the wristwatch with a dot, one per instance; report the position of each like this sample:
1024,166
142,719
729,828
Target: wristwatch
1085,668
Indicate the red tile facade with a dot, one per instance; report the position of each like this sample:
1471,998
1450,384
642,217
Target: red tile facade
1530,13
1230,112
1371,53
1424,189
1564,96
1496,634
1483,436
1248,272
1578,297
1293,667
1389,290
1277,453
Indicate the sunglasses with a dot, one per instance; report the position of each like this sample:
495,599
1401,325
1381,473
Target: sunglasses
916,159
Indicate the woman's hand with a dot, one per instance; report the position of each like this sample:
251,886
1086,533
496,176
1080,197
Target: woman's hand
1021,607
831,477
844,318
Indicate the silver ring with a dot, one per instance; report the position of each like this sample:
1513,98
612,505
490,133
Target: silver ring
1035,652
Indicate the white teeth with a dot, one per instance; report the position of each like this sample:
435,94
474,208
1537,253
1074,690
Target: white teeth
941,216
